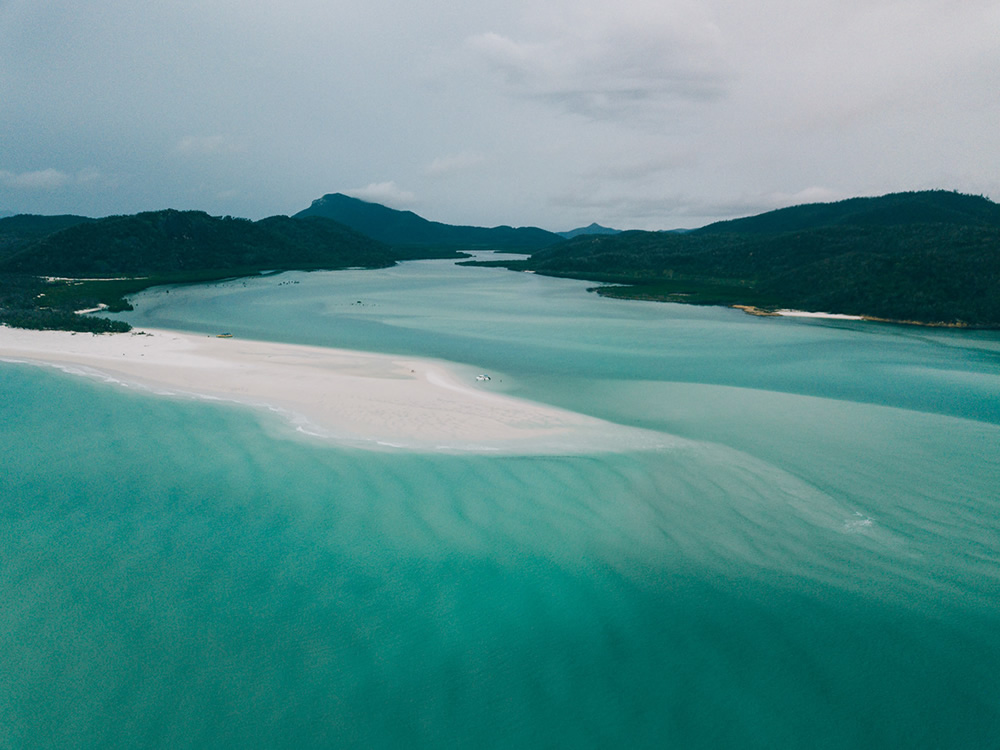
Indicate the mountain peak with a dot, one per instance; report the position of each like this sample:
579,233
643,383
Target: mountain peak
403,228
592,228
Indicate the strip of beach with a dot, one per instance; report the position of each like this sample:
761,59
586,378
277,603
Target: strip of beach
365,399
761,313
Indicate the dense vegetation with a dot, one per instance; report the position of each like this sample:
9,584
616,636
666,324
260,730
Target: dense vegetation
405,228
895,209
17,232
929,257
170,241
25,303
125,254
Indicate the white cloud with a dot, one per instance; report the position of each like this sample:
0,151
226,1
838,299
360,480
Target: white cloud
462,162
621,111
601,59
43,179
622,208
656,208
814,194
628,167
749,204
88,176
386,193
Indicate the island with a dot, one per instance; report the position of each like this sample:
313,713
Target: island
926,257
930,257
53,267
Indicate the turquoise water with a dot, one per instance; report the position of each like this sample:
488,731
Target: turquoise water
812,562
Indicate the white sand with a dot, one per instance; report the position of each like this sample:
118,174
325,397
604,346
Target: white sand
362,398
826,315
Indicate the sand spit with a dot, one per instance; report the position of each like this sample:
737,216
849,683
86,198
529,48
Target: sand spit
765,313
372,400
762,313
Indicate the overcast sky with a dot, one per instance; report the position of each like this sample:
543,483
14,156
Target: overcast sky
631,113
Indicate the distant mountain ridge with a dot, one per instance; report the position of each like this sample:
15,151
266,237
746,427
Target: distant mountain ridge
20,230
405,228
894,209
170,241
930,257
594,228
122,255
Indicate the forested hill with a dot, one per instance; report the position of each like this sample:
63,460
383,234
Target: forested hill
895,209
593,228
131,253
930,257
405,228
168,241
17,232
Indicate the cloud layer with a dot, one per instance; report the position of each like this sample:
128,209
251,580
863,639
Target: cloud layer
604,59
46,180
630,113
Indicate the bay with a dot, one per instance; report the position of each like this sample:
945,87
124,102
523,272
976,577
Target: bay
811,561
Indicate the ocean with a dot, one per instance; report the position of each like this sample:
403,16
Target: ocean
810,559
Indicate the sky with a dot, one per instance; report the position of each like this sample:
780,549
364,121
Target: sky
631,113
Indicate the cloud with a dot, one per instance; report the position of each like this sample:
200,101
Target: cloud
604,59
750,204
626,208
50,179
678,104
386,193
631,168
208,145
814,194
88,176
656,208
462,162
44,179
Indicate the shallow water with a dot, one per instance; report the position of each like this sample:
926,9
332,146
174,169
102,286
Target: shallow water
812,560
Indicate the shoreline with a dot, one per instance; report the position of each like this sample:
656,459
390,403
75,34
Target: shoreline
764,313
364,399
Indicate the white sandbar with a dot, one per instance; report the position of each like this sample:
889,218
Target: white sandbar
369,399
825,315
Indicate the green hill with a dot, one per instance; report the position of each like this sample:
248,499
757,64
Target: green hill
928,257
131,253
593,228
895,209
16,232
405,228
931,257
171,241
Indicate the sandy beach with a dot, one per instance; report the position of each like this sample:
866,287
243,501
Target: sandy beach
762,313
373,400
822,315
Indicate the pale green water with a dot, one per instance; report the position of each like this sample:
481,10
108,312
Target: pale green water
813,563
